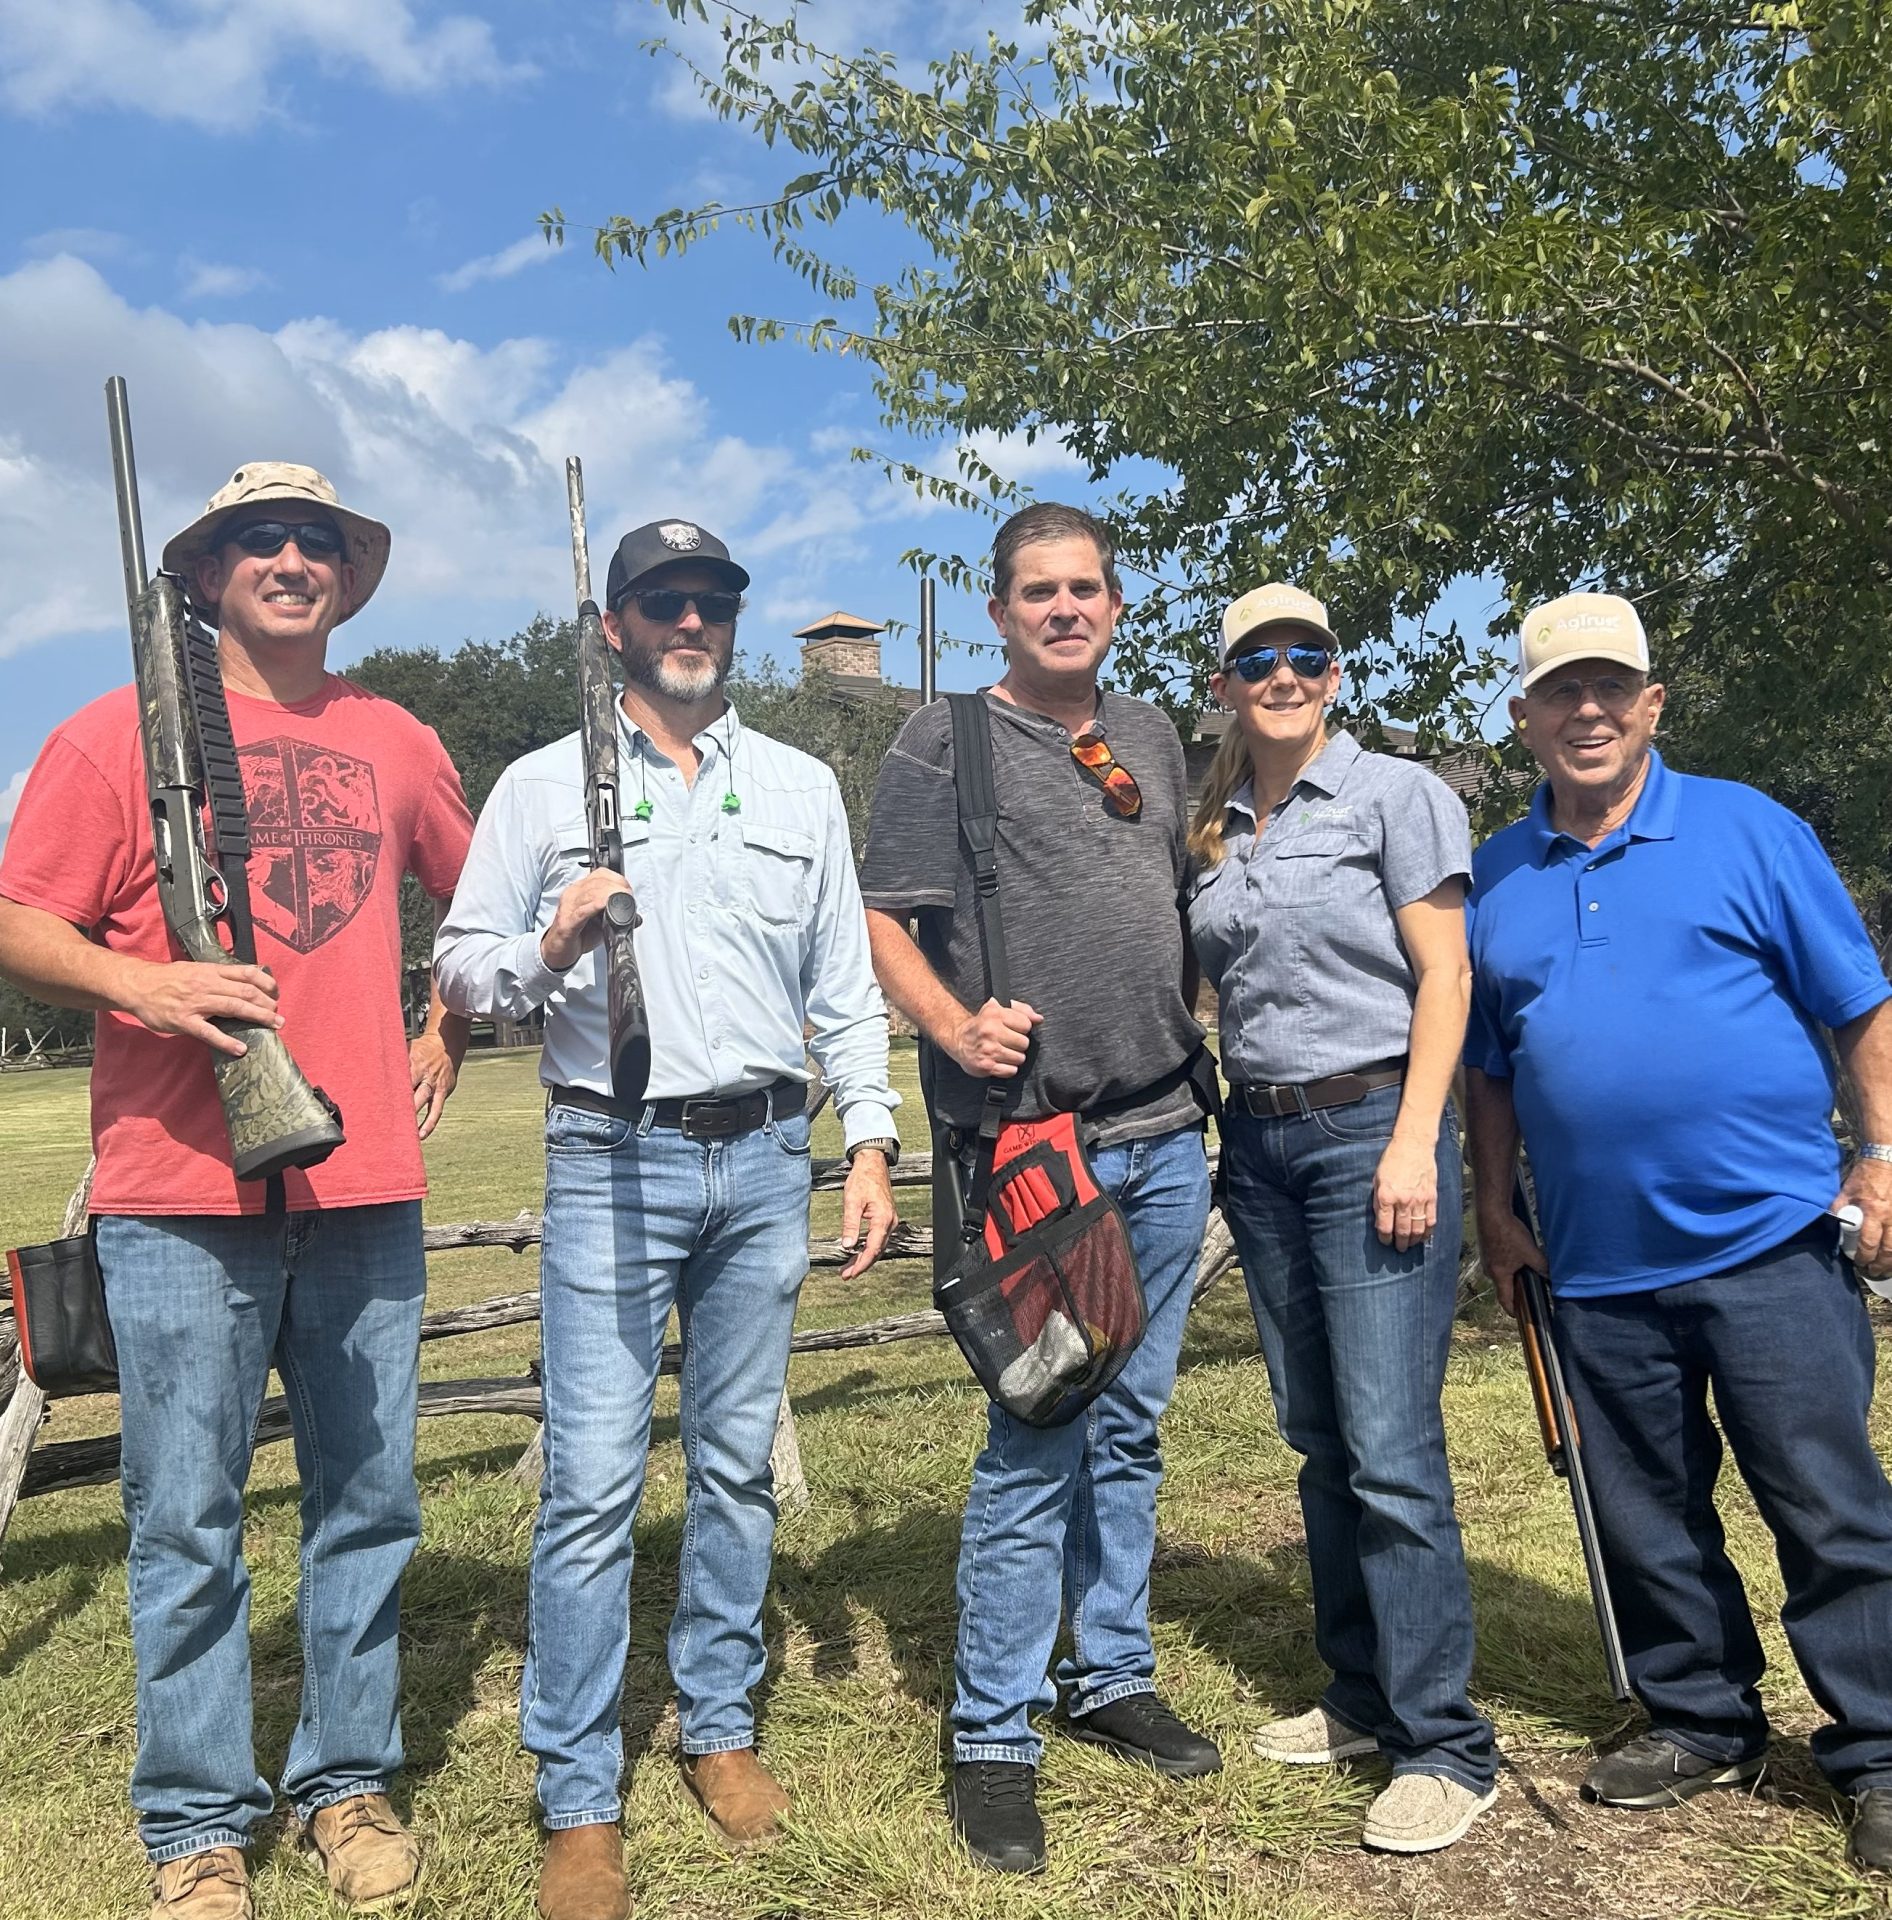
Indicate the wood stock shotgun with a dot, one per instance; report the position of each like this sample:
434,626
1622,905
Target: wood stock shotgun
276,1119
1563,1446
598,731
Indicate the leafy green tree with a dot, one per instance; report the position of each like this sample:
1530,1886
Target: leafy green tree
1393,292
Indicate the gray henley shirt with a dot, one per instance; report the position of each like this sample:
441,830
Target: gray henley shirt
1093,931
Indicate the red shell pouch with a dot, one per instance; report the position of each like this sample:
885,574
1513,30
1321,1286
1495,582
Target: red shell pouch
1046,1304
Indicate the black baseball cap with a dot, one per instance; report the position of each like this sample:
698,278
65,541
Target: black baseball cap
661,544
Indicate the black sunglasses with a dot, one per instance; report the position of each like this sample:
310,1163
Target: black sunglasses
1310,662
265,537
666,604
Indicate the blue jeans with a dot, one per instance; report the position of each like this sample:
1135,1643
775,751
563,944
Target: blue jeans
200,1307
1784,1342
1356,1336
638,1218
1071,1510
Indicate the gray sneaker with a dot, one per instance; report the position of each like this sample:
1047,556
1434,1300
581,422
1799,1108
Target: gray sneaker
1315,1738
1422,1812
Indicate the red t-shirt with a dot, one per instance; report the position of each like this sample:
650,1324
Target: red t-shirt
347,792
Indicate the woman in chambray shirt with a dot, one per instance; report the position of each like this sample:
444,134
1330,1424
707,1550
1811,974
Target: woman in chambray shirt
1329,915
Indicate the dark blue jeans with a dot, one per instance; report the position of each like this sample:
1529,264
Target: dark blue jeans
1785,1344
1356,1335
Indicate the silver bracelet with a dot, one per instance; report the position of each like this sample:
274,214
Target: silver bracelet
1874,1150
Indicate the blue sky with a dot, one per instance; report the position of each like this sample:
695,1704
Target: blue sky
306,230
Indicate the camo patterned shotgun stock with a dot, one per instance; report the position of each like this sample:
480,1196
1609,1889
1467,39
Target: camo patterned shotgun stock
598,730
276,1119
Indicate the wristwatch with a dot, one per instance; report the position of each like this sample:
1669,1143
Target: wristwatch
882,1143
1874,1150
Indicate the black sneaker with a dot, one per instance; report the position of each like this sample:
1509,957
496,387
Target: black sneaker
1654,1772
1872,1828
994,1806
1139,1727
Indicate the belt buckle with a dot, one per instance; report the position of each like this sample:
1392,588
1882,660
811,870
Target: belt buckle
709,1120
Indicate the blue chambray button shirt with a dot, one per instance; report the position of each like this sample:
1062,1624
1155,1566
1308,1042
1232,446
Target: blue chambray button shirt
1295,927
751,922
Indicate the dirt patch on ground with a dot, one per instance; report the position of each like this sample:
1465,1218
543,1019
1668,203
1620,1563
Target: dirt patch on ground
1546,1852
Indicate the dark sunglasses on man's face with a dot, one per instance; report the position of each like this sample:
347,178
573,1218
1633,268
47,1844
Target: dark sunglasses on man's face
665,605
1311,663
266,537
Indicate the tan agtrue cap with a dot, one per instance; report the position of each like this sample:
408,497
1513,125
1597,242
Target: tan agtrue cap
1581,626
1276,604
263,483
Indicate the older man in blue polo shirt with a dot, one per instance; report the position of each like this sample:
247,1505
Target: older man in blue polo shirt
1657,962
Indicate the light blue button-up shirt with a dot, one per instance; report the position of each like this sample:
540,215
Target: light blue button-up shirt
751,922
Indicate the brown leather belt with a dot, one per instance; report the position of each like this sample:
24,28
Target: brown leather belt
705,1118
1282,1102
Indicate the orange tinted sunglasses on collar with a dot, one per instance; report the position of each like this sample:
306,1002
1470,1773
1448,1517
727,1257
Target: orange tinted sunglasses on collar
1092,753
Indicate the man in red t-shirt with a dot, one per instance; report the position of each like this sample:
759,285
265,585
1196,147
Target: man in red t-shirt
206,1283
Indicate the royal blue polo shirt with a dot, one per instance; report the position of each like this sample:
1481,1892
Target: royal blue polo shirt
1656,1002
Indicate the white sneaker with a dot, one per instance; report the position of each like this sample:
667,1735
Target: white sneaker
1312,1739
1421,1812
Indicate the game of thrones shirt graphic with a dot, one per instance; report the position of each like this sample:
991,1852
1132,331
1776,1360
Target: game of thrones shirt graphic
315,838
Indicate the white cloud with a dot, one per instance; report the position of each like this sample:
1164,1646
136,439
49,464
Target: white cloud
10,801
459,446
222,64
211,280
529,252
1014,457
89,243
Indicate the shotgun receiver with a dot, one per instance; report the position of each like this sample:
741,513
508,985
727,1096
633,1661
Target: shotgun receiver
1563,1446
598,732
276,1119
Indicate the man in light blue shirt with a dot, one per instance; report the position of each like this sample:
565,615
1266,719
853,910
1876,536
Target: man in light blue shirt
751,931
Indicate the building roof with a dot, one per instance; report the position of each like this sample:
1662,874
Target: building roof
840,626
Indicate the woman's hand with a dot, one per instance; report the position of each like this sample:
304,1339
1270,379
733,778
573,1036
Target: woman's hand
1405,1193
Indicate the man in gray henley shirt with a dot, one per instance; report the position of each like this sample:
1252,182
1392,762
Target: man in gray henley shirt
1091,863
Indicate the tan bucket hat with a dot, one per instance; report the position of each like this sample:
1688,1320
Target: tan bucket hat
1276,604
263,482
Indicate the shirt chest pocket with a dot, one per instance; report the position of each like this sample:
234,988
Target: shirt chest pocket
571,857
1309,869
772,873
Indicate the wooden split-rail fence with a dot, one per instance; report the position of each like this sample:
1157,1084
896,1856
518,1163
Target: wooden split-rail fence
27,1469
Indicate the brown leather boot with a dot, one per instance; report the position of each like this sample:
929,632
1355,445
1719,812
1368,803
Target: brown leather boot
582,1877
744,1801
213,1885
371,1860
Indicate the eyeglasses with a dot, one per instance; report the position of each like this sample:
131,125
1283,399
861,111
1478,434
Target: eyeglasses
1310,662
665,605
266,537
1608,689
1121,791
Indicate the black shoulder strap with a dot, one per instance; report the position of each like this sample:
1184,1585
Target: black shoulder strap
976,786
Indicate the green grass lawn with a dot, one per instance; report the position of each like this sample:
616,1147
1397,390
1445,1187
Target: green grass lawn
860,1627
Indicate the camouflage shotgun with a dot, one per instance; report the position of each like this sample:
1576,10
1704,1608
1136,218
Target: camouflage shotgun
276,1119
598,733
1563,1445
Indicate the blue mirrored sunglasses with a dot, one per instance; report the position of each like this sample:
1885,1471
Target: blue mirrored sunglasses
1310,662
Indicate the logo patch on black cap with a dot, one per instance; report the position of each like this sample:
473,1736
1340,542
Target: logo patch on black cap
679,536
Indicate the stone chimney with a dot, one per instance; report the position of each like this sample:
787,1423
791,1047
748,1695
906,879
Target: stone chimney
842,644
